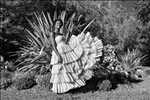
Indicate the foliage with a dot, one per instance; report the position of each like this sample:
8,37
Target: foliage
109,63
2,66
5,83
110,70
6,65
119,69
119,23
39,42
11,32
132,63
143,11
44,81
127,32
37,55
114,23
110,59
5,79
105,85
24,81
144,38
131,60
13,23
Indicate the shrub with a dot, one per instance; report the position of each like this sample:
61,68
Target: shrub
144,30
109,63
119,69
143,11
24,81
110,59
114,23
7,66
143,43
105,85
2,63
131,60
13,23
37,54
5,79
131,63
5,83
44,81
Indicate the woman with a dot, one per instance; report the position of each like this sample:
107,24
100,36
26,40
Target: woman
72,62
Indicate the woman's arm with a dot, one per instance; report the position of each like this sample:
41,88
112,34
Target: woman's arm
68,35
54,45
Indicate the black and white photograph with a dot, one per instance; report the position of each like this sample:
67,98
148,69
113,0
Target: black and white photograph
74,50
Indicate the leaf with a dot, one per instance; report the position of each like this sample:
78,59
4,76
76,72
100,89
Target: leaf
87,25
63,15
55,15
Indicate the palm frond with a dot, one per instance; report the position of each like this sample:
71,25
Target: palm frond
63,16
88,25
55,15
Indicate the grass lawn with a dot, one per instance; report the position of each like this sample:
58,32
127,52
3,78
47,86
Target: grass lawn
139,91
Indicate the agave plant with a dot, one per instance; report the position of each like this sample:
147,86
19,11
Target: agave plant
132,64
131,60
37,54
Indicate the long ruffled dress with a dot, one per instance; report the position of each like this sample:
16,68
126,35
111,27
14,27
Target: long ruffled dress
79,56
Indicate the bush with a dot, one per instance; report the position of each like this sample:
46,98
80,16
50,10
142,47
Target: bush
143,9
13,23
131,60
44,81
110,58
5,79
132,64
143,43
5,83
24,81
114,23
143,12
105,85
121,69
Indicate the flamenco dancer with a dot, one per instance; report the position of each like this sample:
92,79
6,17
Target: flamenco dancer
72,62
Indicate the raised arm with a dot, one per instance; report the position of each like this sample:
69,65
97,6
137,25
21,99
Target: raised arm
68,35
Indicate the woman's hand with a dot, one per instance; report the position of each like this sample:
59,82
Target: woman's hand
60,60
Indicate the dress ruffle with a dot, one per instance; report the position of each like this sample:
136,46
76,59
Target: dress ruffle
69,53
79,56
66,86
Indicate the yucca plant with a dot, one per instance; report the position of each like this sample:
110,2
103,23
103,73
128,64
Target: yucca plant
132,64
131,60
37,54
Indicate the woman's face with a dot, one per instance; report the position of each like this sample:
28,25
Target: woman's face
58,24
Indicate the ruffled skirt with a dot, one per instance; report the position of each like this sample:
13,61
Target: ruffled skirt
79,55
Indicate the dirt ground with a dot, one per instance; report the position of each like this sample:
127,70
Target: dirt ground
139,91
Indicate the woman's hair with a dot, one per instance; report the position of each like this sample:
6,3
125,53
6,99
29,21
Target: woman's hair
58,20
